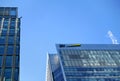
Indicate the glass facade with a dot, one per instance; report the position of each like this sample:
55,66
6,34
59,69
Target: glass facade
54,71
9,44
89,62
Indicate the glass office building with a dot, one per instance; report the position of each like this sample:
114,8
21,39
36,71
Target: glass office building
9,44
85,62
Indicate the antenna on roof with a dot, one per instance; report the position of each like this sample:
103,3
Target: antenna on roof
112,37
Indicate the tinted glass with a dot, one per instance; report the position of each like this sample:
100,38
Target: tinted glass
8,61
10,50
2,49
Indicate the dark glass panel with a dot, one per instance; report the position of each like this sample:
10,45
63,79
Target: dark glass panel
11,40
7,73
2,39
2,49
12,12
12,32
8,61
10,50
17,40
12,25
16,74
17,61
1,58
4,31
17,50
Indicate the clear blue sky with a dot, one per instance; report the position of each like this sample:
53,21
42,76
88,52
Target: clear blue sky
47,22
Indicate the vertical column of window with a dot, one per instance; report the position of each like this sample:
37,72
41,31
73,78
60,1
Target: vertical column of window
7,59
3,42
16,56
5,26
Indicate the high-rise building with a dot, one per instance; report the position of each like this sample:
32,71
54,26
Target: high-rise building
9,44
84,62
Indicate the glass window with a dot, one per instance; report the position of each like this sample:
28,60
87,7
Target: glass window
7,73
5,23
12,32
17,50
17,40
2,39
4,31
8,61
16,74
11,40
12,12
17,61
2,49
10,50
1,60
12,25
7,79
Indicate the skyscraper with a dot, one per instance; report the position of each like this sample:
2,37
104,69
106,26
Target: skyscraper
85,62
9,44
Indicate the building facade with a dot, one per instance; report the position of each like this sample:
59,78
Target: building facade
9,44
85,62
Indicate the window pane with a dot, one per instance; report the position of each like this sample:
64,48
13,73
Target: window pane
1,60
4,31
12,12
17,40
8,61
12,25
16,74
10,50
12,32
1,49
7,73
2,40
17,61
11,40
17,50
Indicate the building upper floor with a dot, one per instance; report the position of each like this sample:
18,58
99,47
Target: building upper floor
9,12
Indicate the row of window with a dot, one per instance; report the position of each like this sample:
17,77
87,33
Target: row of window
10,50
93,79
99,69
94,52
87,63
11,40
11,22
92,74
9,60
8,73
91,58
8,12
10,32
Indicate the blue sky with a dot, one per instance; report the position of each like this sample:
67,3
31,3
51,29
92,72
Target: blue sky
45,23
